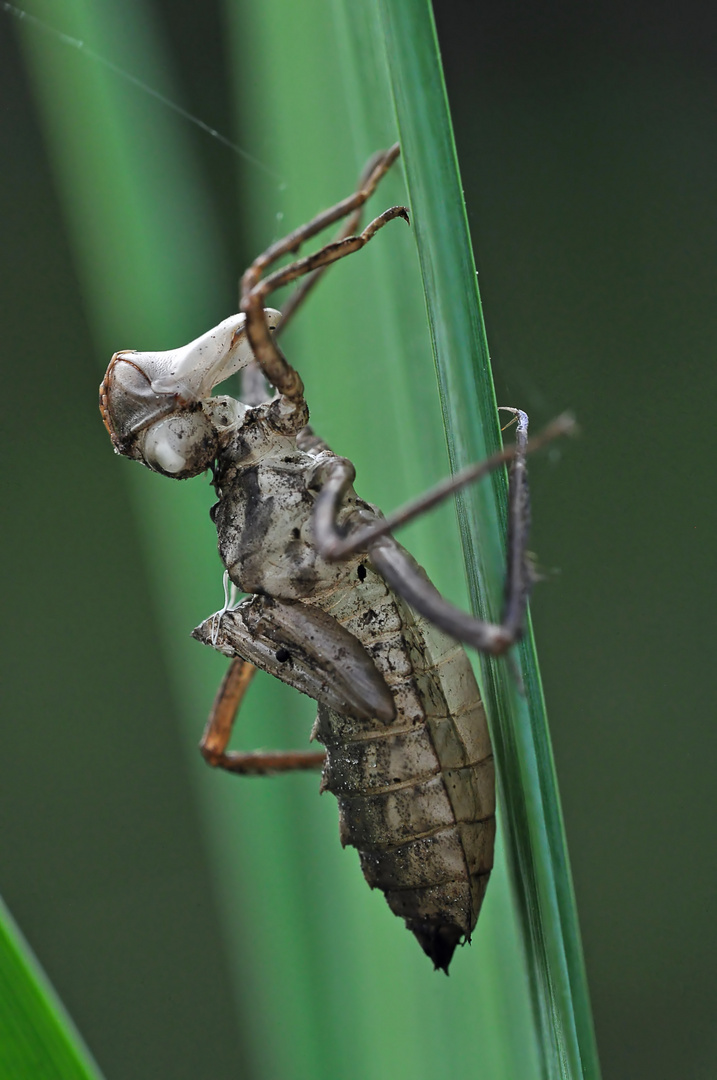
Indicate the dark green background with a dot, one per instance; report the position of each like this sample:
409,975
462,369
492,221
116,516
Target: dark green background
592,205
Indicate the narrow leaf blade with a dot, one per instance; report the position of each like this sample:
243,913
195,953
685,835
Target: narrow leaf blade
37,1037
533,820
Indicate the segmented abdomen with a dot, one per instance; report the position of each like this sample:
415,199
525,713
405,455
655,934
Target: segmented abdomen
417,796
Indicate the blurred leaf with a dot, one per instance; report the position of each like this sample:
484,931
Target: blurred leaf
38,1040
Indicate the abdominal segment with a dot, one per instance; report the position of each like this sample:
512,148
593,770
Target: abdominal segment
416,796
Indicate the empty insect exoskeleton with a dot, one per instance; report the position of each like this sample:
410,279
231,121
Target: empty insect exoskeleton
337,608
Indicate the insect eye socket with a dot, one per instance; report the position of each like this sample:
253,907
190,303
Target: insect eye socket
182,445
128,400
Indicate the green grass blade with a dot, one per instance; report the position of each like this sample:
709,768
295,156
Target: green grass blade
529,793
38,1041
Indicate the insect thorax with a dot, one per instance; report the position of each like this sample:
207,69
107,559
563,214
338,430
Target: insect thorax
267,487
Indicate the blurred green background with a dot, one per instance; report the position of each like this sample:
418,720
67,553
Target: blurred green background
587,144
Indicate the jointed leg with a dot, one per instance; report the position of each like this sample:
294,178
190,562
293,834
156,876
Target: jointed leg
401,572
383,161
376,169
254,290
323,258
219,728
335,546
308,441
253,385
519,577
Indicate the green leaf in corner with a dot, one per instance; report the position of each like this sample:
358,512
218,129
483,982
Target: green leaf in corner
38,1041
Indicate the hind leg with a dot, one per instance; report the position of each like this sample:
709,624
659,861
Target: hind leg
219,728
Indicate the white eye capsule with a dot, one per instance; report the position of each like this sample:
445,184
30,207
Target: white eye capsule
181,446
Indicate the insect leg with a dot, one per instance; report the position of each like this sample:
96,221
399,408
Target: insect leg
406,577
520,575
266,351
325,256
382,161
336,546
219,728
374,171
309,441
254,290
253,388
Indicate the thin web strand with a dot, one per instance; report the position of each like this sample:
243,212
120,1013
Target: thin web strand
80,46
